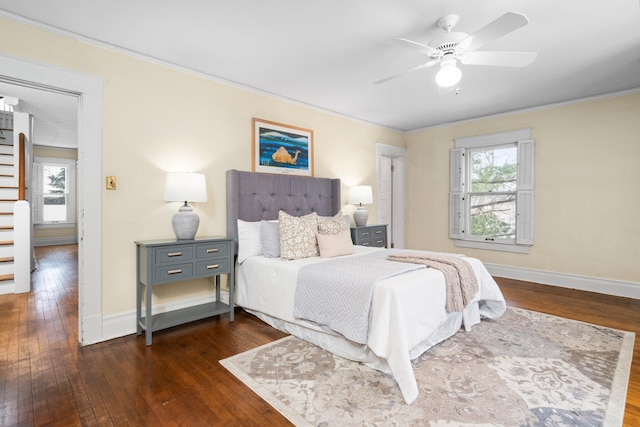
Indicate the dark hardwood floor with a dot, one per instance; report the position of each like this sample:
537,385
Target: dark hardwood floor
46,378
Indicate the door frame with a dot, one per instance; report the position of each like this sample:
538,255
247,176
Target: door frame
385,150
88,90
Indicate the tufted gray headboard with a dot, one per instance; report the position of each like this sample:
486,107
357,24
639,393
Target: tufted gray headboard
255,196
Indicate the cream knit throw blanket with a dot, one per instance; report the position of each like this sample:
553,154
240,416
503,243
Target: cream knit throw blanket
459,277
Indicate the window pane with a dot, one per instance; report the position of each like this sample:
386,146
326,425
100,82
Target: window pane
494,170
55,208
493,216
55,179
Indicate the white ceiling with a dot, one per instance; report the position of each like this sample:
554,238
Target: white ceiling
328,53
55,115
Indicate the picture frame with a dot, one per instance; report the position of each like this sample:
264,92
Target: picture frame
281,148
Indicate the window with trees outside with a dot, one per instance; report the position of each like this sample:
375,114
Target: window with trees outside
491,191
53,191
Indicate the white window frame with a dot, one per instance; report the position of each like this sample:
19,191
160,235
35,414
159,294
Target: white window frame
459,209
37,191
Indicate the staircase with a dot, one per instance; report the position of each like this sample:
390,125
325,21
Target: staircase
8,198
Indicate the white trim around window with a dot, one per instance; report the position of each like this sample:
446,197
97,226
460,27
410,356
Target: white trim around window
459,196
37,192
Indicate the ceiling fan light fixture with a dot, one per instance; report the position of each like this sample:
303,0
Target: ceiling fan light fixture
449,74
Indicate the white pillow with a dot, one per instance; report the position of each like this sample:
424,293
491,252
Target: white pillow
332,245
248,240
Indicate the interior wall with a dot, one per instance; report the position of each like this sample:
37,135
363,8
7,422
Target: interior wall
586,185
158,119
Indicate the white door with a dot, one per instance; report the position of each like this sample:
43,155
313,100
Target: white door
390,201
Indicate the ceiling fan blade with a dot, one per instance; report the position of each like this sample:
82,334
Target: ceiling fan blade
431,51
505,24
499,59
416,68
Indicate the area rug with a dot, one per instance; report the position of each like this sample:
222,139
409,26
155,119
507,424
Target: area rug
524,369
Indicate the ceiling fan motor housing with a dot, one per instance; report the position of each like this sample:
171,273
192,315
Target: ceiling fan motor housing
449,41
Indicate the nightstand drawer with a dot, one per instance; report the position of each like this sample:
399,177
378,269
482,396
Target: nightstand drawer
175,254
363,234
173,272
379,242
213,250
370,235
214,266
378,232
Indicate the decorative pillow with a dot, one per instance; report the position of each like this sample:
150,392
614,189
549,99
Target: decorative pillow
332,245
298,236
331,225
248,240
270,239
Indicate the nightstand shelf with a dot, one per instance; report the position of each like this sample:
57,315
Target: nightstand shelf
184,315
161,262
370,235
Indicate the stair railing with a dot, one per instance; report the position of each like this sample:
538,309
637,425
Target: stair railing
22,170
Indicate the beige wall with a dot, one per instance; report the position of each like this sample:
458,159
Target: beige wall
157,119
587,178
49,233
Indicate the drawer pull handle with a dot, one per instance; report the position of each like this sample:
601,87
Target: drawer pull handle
365,244
172,254
211,267
212,250
174,271
379,232
378,241
365,234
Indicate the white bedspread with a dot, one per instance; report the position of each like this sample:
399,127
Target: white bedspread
408,312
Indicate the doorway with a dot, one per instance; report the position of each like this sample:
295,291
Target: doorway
88,90
391,183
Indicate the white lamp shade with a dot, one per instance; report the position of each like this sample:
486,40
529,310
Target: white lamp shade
360,194
185,187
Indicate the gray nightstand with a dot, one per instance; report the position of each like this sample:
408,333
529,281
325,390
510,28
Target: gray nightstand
370,235
159,262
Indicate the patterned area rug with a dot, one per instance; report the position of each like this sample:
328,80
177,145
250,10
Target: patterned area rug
524,369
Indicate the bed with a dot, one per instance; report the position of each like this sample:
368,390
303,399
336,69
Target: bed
407,316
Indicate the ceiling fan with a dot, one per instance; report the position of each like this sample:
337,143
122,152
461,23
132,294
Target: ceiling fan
454,46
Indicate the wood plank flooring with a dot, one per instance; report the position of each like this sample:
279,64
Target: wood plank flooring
46,378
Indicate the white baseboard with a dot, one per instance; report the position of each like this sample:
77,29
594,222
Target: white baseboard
572,281
121,324
52,241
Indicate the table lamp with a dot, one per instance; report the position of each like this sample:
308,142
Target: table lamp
359,195
185,187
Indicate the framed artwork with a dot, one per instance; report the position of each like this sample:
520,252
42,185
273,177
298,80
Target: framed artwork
279,148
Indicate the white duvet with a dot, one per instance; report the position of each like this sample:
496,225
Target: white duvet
408,312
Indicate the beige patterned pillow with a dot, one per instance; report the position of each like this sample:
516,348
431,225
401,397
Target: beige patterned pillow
331,225
298,236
